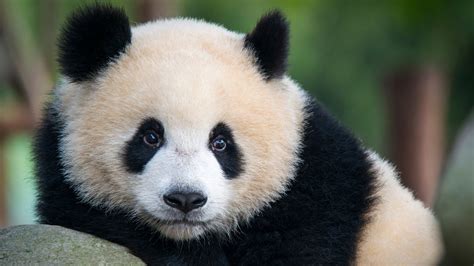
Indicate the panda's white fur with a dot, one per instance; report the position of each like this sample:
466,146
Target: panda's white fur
191,75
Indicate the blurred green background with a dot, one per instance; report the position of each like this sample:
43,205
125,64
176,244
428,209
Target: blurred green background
346,54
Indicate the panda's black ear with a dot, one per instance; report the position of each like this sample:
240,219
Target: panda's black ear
92,38
269,43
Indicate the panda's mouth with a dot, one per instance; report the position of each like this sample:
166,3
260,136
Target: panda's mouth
183,229
184,222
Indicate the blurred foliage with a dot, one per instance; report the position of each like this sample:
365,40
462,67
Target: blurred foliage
20,185
340,52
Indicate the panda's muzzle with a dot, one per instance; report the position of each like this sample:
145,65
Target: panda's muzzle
185,201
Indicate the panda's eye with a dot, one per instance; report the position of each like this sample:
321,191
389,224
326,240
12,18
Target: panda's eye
219,144
151,138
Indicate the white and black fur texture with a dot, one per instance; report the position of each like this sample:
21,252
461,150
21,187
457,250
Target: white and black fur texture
188,144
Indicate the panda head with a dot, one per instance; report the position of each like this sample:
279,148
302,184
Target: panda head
188,127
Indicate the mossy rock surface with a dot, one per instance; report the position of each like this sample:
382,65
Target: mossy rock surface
55,245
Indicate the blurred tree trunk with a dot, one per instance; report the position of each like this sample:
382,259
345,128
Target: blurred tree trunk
416,107
29,74
26,72
154,9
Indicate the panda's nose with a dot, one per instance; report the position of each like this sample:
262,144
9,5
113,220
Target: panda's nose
185,201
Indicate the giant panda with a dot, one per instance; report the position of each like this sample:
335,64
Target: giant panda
189,144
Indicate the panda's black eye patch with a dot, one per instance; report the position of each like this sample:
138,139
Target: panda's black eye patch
226,151
147,140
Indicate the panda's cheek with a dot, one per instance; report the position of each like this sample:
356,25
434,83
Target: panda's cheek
145,199
152,184
147,194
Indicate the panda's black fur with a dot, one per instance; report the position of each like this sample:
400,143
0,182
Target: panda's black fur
318,221
269,42
79,57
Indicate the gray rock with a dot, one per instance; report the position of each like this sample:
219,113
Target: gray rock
47,245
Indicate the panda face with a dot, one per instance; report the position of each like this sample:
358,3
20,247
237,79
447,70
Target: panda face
181,131
182,174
